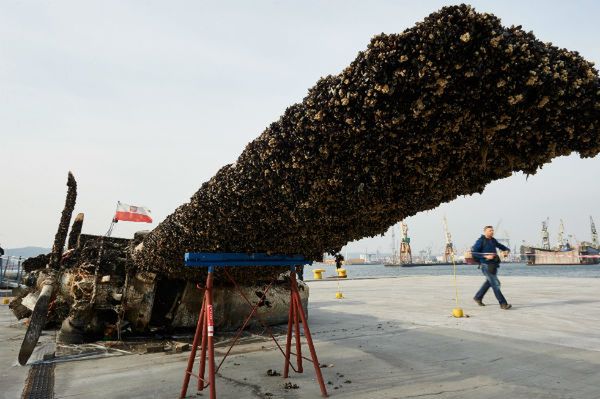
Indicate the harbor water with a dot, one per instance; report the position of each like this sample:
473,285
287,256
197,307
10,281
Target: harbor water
506,269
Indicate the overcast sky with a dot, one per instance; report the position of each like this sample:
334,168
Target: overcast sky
146,100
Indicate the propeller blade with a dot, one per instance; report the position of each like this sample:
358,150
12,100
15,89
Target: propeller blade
36,324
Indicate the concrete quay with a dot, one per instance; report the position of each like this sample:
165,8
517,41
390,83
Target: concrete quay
388,338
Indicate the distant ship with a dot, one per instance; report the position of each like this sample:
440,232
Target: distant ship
584,254
413,264
361,261
469,259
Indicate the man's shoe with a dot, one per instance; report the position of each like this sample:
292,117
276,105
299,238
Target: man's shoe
505,306
479,302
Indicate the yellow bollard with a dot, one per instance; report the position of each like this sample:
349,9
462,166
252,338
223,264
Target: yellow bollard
341,273
318,274
457,312
338,293
5,301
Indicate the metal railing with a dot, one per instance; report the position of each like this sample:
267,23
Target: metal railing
11,271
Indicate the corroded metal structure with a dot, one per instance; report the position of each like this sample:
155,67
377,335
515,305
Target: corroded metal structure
416,120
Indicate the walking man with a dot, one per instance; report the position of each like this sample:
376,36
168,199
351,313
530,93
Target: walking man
484,251
300,272
339,258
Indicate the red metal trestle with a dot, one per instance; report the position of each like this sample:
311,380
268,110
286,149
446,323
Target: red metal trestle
205,331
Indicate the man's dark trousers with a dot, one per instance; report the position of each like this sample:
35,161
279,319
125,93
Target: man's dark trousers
491,280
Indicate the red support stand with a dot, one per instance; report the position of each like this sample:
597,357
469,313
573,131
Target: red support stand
205,330
296,315
205,327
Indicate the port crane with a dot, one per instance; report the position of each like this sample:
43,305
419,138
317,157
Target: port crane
394,251
561,232
506,239
594,233
545,234
449,250
405,251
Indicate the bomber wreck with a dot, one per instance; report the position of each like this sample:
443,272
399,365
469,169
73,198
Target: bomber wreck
417,119
93,290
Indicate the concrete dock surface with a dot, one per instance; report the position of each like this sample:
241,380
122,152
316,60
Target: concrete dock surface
388,338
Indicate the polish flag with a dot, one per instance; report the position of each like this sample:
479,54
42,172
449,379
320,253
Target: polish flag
130,213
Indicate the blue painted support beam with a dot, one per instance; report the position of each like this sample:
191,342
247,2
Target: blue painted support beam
234,259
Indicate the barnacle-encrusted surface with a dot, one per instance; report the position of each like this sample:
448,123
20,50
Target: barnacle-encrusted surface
416,120
63,227
75,231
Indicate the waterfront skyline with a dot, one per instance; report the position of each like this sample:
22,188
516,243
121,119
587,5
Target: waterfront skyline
144,103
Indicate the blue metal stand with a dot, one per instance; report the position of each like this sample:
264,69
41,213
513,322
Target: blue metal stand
205,326
233,259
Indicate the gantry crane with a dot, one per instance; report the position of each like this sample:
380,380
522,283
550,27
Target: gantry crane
545,235
394,250
505,237
561,233
449,250
405,251
594,233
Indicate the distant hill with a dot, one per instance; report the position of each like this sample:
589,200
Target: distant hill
26,252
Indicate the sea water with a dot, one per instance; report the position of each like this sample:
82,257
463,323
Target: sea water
506,269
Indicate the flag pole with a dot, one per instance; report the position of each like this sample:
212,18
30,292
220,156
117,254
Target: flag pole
112,223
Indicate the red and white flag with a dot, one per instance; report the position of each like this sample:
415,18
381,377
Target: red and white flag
130,213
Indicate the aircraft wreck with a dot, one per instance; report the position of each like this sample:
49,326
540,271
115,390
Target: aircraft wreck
416,120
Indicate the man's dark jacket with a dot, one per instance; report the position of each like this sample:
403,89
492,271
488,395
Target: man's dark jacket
484,246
